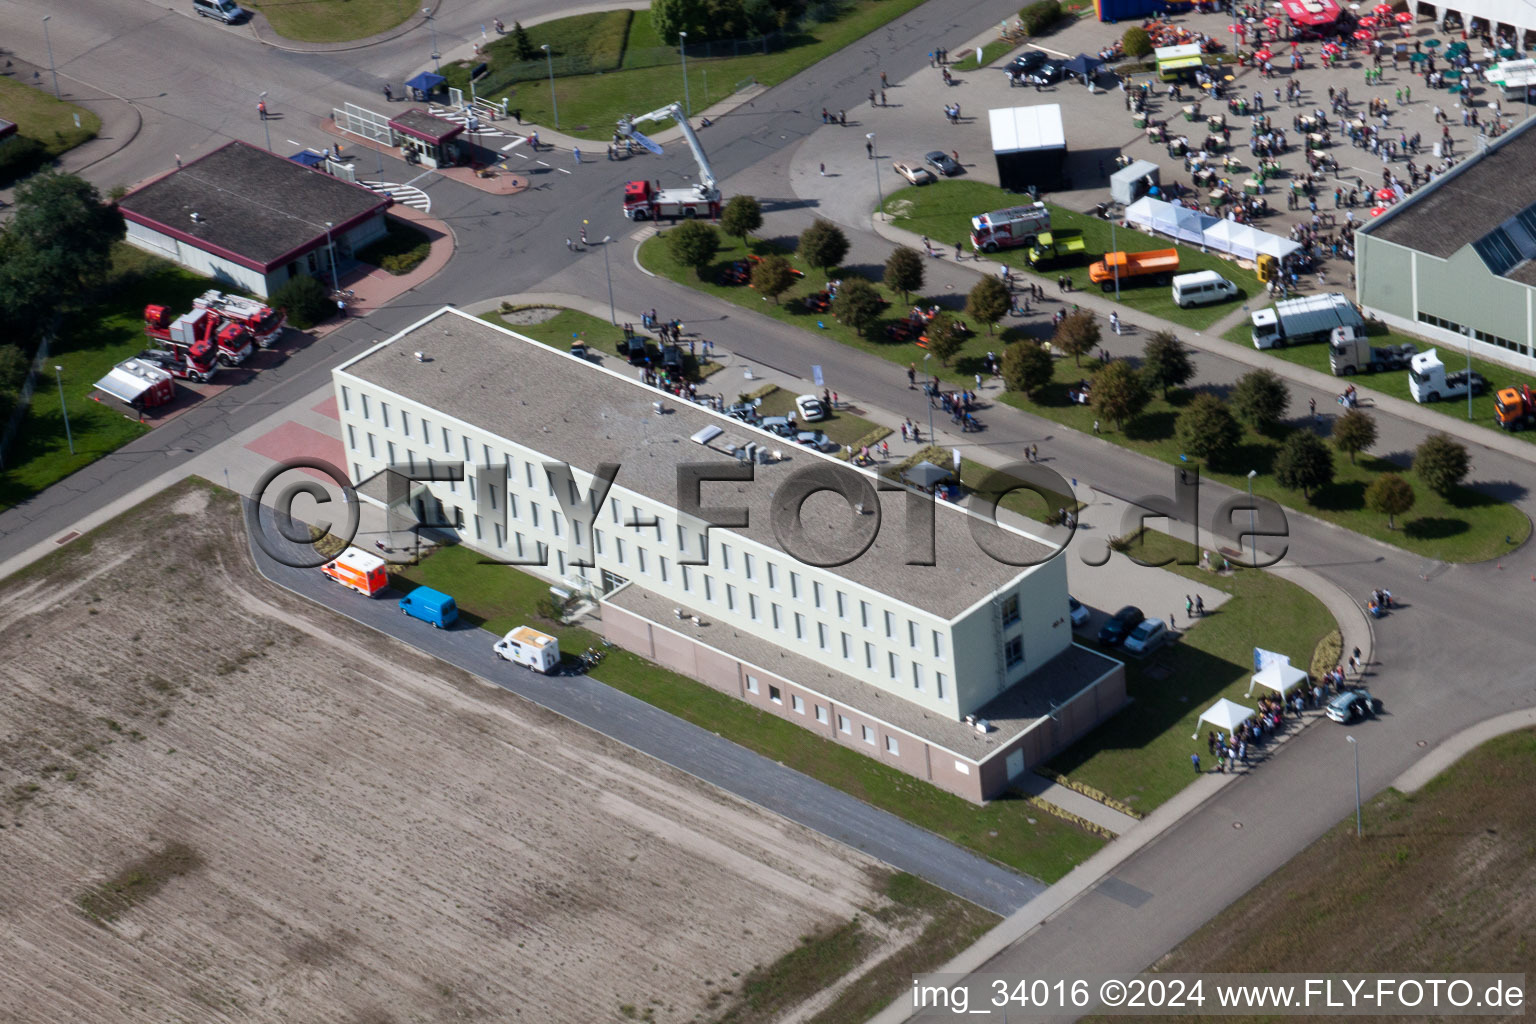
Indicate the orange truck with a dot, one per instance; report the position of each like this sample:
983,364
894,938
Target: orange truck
1158,266
358,570
1514,407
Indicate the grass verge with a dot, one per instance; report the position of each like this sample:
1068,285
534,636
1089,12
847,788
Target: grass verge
1395,383
569,326
1141,756
1467,526
1463,843
137,882
498,597
334,21
401,250
590,104
45,128
989,53
91,342
943,212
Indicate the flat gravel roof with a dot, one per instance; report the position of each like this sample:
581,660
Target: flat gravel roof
574,411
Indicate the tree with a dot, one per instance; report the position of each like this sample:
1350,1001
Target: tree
1027,367
1119,392
823,245
694,244
13,368
904,270
305,299
1260,399
1441,462
1207,430
857,304
1390,495
1077,335
1304,463
1136,41
943,340
742,216
772,276
62,216
1354,432
988,301
521,43
1165,362
669,17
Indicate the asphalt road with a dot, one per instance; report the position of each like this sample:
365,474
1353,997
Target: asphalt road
681,744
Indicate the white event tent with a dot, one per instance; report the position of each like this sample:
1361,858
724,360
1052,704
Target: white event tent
1279,677
1241,240
1225,715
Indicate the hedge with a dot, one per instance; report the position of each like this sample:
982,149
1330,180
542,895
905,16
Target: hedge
1040,15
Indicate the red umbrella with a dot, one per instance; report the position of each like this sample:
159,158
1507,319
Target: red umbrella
1378,211
1333,48
1386,195
1368,22
1403,17
1383,9
1363,35
1263,55
1271,22
1235,28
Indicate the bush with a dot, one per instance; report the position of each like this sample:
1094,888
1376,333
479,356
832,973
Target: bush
400,251
20,157
1041,15
306,301
1136,42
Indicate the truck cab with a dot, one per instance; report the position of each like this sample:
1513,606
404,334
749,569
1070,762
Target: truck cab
1515,407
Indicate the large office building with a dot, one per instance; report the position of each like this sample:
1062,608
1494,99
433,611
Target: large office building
962,672
1456,260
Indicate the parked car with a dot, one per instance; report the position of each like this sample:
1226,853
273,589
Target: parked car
1078,611
1148,636
783,426
672,358
1048,73
816,439
942,162
1027,61
744,411
810,408
915,173
1352,705
1120,625
226,11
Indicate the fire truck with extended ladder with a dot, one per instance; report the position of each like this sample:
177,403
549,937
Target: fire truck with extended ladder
263,322
198,339
644,201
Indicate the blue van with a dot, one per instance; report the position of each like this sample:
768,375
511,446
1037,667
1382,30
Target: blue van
430,605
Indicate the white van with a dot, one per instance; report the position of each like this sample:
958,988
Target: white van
1201,288
226,11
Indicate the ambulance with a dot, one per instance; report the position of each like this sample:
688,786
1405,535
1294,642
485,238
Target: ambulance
359,570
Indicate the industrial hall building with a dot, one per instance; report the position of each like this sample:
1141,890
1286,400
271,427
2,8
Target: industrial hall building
1455,261
962,672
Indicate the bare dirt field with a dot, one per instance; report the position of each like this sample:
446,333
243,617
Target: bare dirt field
219,803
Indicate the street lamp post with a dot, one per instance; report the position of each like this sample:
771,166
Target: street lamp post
51,67
1253,536
682,47
1469,375
260,101
58,372
613,317
331,250
1359,830
432,24
879,192
550,57
1114,247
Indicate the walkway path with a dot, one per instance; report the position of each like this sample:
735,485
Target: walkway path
1458,746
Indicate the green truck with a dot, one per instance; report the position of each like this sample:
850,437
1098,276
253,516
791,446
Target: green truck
1051,246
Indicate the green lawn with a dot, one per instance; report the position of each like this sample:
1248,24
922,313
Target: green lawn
1009,831
90,344
570,325
336,21
591,103
1395,383
45,127
1468,527
943,210
989,53
842,427
1141,756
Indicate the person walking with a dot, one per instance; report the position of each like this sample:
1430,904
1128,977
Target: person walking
869,149
958,255
1199,606
912,377
1095,426
1114,322
884,82
1194,759
341,309
261,108
842,118
882,97
1189,607
576,153
823,170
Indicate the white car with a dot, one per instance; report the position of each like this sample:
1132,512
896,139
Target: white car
810,408
1079,612
1147,637
914,172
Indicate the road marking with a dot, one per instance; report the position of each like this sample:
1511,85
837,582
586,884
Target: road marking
514,143
543,164
562,170
423,174
407,195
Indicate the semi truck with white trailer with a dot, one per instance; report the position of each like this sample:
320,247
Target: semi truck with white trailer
1297,321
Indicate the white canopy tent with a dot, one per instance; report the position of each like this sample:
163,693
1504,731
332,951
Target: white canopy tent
1245,241
1280,678
1225,715
1170,219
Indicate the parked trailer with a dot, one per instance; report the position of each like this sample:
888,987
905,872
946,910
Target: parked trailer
1297,321
138,384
